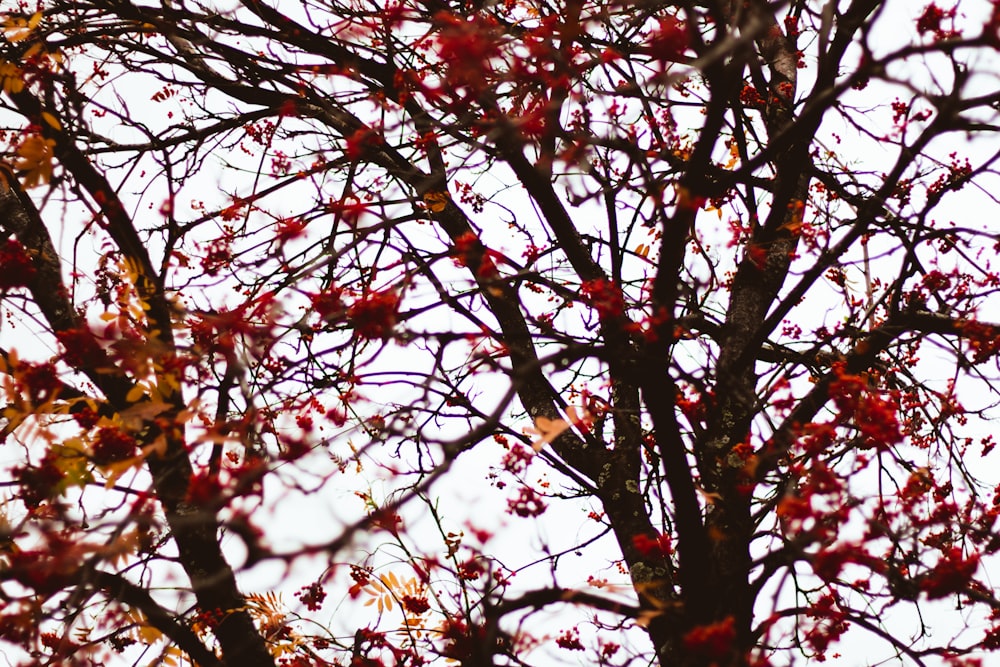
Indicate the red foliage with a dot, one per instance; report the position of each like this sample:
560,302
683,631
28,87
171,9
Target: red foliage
470,252
764,412
463,641
874,417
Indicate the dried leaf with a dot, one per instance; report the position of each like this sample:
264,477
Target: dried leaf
547,430
51,120
436,201
35,156
135,394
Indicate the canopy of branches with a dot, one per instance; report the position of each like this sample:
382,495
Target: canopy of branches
523,332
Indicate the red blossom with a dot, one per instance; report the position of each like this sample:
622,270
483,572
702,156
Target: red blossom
470,570
204,489
374,314
983,340
669,41
827,563
328,303
312,596
875,417
930,21
16,266
713,641
41,482
349,209
292,449
361,579
527,503
951,574
652,547
605,297
467,48
81,348
217,255
570,640
41,381
516,460
112,445
361,142
532,253
751,97
288,229
415,605
86,417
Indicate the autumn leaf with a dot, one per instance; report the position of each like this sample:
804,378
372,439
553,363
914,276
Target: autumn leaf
51,120
547,430
35,156
388,590
17,29
11,77
436,201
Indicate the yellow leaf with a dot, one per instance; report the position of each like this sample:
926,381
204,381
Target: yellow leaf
51,120
734,154
149,634
642,250
35,159
12,77
436,201
646,617
114,471
686,200
34,51
119,550
135,393
15,416
794,226
34,20
158,447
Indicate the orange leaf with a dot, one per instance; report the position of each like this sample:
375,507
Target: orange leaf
436,201
547,430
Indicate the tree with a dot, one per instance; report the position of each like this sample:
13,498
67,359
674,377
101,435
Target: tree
732,264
